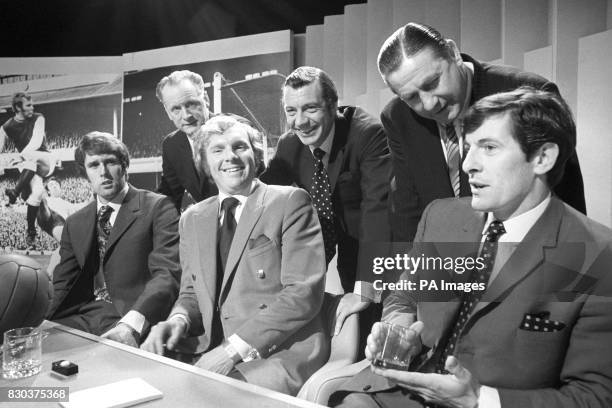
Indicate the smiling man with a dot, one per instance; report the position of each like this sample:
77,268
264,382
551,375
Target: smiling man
186,103
434,86
253,270
340,156
538,335
119,272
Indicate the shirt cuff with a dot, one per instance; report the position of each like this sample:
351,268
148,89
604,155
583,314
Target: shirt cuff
366,290
243,348
135,320
489,397
184,318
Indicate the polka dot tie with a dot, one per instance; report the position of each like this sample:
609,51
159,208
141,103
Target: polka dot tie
471,299
321,195
103,228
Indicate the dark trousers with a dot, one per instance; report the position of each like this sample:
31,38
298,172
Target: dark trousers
95,317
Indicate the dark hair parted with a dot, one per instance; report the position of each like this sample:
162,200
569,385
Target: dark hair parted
303,76
101,143
537,117
407,41
219,125
17,102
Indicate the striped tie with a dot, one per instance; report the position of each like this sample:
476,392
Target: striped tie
453,158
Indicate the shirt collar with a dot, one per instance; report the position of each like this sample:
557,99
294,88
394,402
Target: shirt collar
326,146
117,201
241,198
517,227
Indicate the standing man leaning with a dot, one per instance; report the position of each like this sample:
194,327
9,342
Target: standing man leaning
434,86
119,269
27,132
253,270
340,156
538,334
186,103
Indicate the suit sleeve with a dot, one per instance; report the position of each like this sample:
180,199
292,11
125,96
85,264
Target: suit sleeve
170,184
161,290
279,170
187,303
375,170
405,212
585,378
65,276
302,278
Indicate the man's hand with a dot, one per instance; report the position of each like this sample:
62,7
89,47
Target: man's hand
123,333
349,304
166,334
459,389
216,360
376,340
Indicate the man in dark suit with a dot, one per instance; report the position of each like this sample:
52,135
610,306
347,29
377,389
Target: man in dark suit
538,331
356,163
186,103
434,86
119,270
253,270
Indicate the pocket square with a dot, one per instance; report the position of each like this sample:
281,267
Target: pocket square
259,241
540,322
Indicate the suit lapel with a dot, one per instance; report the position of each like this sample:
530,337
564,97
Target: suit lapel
86,232
208,227
126,216
529,254
250,215
336,155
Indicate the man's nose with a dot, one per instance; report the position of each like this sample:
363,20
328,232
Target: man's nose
428,101
470,161
300,119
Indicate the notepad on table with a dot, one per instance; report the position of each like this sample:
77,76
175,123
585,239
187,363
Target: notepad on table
115,395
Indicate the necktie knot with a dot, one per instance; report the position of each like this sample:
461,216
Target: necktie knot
104,213
495,230
318,153
229,203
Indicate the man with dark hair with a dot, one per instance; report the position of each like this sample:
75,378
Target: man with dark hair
27,132
253,270
186,103
434,86
119,270
340,156
537,332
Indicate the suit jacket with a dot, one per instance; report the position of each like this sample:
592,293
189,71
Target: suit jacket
560,271
419,167
141,265
272,286
359,170
179,172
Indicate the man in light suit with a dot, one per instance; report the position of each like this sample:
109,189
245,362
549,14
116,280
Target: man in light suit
186,103
253,270
434,86
119,271
357,162
539,333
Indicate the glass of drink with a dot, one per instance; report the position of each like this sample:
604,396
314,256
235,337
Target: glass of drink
22,352
398,347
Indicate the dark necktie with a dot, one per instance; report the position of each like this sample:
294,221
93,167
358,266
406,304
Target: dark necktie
471,299
454,158
226,232
103,227
321,195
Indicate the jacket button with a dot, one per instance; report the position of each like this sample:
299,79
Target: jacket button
192,276
367,387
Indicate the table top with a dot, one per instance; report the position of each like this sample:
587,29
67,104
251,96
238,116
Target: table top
103,361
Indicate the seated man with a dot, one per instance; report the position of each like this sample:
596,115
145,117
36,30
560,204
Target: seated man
253,270
119,271
538,334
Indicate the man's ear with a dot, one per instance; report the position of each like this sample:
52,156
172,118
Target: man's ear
454,50
545,158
